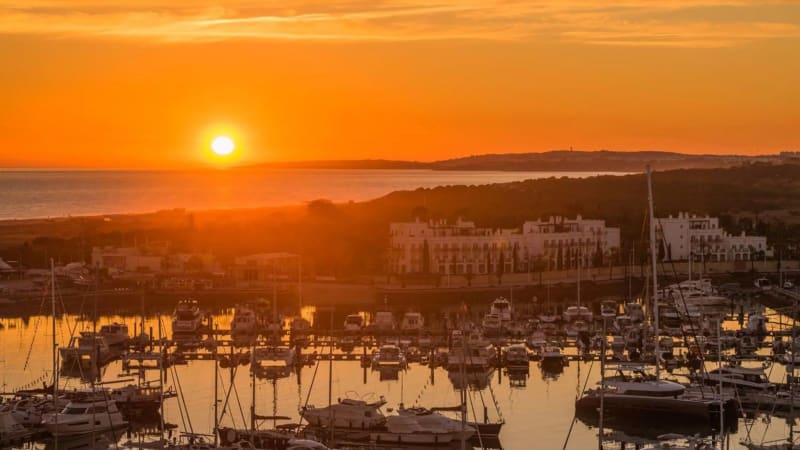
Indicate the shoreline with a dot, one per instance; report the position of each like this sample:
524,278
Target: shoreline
243,196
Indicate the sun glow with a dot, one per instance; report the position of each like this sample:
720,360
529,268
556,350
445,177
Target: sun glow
223,145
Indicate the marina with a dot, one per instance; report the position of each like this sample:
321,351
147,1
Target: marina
524,375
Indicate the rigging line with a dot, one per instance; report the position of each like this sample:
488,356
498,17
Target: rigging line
182,397
239,400
764,435
575,416
108,414
308,395
72,328
475,416
225,404
494,400
748,425
180,408
35,329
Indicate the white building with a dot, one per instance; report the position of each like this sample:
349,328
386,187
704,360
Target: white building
463,248
703,238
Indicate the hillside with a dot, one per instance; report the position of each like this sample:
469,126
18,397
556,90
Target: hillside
553,161
352,238
597,161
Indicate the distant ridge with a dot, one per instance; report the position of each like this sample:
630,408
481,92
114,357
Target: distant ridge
552,161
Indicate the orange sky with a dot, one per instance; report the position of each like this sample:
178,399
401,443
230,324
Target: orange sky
146,83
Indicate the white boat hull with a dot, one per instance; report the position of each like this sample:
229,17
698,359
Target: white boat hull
64,425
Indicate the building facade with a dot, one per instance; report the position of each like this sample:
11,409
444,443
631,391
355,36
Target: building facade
462,248
264,269
702,238
127,259
153,259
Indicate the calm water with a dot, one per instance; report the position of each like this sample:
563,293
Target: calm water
539,413
32,194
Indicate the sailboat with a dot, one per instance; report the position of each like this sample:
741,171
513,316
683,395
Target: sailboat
636,394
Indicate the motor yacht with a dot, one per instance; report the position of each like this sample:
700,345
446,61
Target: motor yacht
573,313
389,355
187,317
115,333
11,431
742,378
353,323
475,353
86,412
502,308
413,430
27,410
276,361
347,413
536,340
244,326
550,357
492,324
86,349
425,415
517,355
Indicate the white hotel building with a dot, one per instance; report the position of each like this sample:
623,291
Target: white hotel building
463,248
703,238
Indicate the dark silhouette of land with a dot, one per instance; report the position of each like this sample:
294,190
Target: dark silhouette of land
553,161
351,239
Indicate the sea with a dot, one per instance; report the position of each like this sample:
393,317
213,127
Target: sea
27,194
537,406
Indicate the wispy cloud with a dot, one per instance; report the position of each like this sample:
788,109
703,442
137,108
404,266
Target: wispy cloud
683,23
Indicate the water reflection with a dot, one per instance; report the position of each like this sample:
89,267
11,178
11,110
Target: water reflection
477,380
537,403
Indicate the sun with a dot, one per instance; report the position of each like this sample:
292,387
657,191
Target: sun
223,145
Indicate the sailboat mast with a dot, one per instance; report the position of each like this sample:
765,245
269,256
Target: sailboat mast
55,347
300,283
580,261
463,372
653,258
216,389
791,378
602,386
719,368
330,382
253,398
